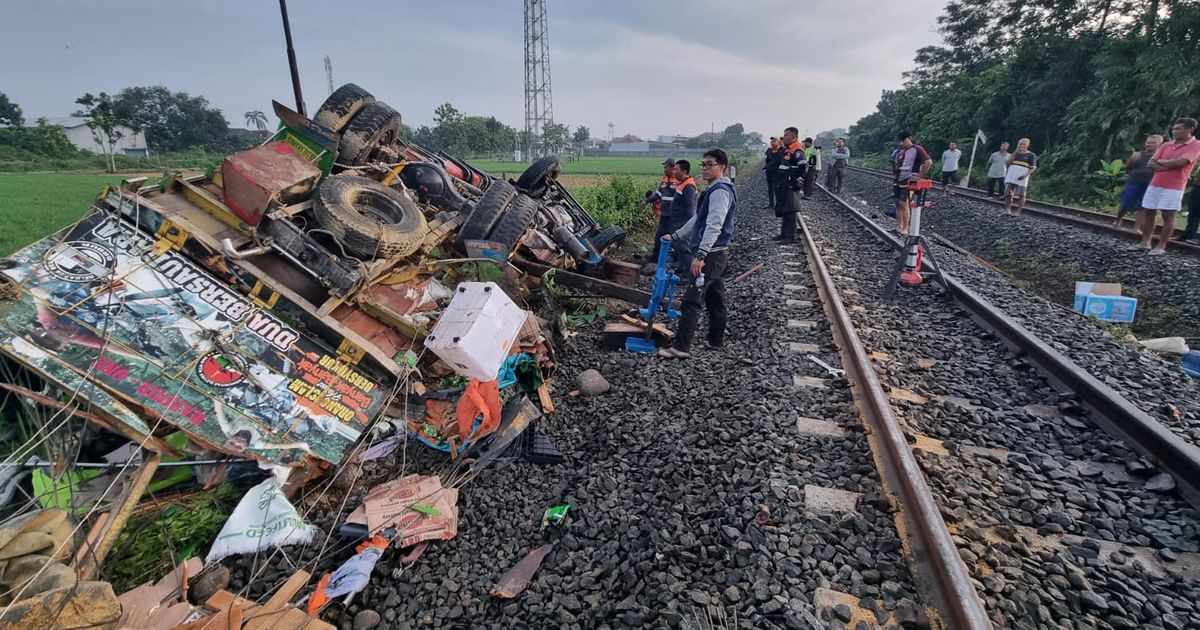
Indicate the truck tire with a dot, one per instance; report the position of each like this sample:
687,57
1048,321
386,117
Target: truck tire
513,223
369,219
375,125
337,110
533,181
486,212
609,236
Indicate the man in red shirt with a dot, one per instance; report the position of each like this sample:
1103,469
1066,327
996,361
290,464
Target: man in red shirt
1172,164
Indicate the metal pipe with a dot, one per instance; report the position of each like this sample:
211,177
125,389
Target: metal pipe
291,53
230,250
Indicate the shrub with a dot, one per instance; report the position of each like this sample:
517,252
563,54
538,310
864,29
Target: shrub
621,202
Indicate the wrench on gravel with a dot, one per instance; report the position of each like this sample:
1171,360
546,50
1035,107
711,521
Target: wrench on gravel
834,372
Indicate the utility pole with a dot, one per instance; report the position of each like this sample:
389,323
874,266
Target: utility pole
329,73
539,110
291,53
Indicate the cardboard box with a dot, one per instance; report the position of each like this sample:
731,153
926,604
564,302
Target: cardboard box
477,331
1103,300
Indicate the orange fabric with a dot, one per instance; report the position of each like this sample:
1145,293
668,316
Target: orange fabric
684,184
319,598
671,183
479,397
375,541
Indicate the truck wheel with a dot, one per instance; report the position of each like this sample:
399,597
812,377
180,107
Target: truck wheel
341,106
608,237
369,219
375,125
486,212
534,180
512,225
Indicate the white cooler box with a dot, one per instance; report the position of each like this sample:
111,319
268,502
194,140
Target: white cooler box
477,331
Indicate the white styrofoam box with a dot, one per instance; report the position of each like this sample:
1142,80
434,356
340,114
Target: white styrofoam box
477,331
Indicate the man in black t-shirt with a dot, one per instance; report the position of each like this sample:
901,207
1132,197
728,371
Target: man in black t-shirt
773,156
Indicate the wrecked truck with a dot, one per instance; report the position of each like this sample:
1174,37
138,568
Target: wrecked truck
276,306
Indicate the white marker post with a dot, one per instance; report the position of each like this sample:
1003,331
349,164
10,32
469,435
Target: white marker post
979,137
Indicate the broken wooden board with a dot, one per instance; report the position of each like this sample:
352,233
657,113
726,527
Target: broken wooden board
658,328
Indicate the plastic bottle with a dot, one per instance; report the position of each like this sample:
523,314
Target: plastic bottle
700,280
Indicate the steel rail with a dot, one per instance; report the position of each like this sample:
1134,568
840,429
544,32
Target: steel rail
1111,411
938,566
1078,217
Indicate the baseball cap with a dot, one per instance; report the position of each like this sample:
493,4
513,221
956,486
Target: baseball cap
669,162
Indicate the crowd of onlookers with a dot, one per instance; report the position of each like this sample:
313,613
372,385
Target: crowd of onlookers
1157,178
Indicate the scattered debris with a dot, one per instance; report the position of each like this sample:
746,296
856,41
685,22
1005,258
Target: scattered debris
517,578
263,518
555,515
745,274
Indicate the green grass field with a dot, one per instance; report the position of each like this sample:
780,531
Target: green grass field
583,166
33,205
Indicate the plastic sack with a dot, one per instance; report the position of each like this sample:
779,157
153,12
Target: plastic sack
263,518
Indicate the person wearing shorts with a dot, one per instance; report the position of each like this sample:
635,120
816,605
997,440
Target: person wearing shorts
1138,168
1021,166
910,162
1172,164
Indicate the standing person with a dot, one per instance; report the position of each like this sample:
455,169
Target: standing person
1138,169
658,198
837,171
1021,167
733,173
997,167
1193,222
910,162
1172,164
683,206
772,158
950,158
708,235
809,171
788,185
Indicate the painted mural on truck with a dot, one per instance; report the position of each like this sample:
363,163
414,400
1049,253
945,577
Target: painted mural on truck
98,303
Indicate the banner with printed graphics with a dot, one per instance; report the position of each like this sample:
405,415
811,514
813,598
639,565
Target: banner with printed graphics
96,303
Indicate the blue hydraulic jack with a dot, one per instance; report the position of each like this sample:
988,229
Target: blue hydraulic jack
665,282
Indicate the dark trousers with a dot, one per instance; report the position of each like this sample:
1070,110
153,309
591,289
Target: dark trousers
810,176
997,184
833,181
772,176
711,296
660,231
785,207
1193,222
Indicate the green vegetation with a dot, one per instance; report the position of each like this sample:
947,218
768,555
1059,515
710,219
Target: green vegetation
621,202
152,543
37,204
1085,81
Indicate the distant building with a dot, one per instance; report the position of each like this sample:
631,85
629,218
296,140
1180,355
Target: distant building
132,143
626,139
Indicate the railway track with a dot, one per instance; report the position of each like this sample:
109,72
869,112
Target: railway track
1077,217
1048,511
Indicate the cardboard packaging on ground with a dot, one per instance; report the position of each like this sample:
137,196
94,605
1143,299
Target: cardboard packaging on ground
1103,300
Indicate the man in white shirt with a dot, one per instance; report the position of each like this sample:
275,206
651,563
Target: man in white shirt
997,168
950,159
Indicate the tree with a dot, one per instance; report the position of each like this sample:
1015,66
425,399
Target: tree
555,136
734,137
446,114
256,119
47,139
10,112
825,138
173,121
104,124
581,136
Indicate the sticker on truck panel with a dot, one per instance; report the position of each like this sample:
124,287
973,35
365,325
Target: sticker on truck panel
97,305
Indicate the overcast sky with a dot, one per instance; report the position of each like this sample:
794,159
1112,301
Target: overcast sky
650,67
